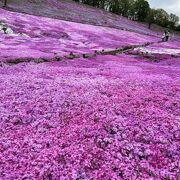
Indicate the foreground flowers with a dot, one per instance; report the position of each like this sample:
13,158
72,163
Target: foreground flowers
103,118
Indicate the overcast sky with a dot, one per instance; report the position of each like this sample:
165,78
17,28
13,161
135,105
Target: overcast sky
171,6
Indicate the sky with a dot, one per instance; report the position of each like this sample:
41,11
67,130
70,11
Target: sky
171,6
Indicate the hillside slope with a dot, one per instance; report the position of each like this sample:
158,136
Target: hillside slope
41,37
71,11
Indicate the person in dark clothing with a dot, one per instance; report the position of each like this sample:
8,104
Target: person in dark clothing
167,35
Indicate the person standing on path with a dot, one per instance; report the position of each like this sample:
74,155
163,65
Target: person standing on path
167,35
164,36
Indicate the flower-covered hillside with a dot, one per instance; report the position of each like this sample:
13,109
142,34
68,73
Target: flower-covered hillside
101,117
35,37
109,117
71,11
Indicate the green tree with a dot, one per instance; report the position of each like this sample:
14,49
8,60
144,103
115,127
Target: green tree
161,17
114,6
124,7
141,8
173,21
150,19
178,28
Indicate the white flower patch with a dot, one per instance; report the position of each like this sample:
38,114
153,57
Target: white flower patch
168,51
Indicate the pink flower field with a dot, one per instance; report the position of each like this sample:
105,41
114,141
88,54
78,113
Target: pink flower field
110,117
106,117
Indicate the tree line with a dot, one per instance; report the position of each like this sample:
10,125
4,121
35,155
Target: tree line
137,10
